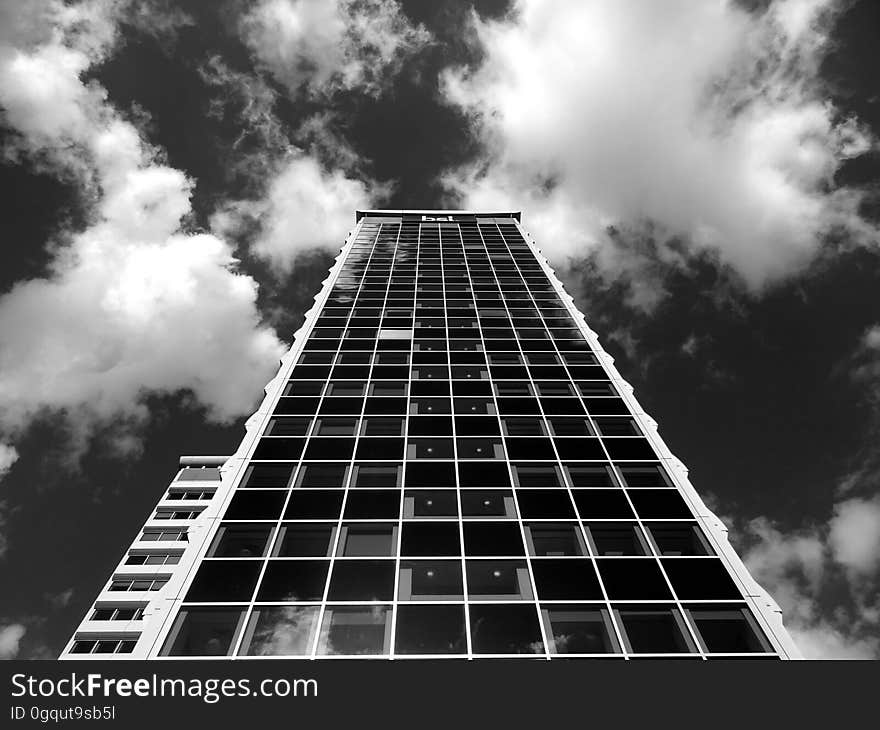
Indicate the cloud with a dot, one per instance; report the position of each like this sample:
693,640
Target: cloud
323,46
305,206
696,126
854,534
136,302
10,640
8,456
822,578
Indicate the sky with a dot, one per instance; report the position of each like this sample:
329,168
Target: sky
177,177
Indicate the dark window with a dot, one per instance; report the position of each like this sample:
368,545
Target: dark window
577,630
362,580
492,538
376,426
728,630
654,631
430,426
435,503
293,581
380,448
367,539
240,541
488,503
376,475
373,504
429,448
604,504
659,504
430,630
498,580
203,632
508,629
674,540
430,474
305,540
288,426
700,579
633,579
279,448
224,580
571,427
257,504
317,505
544,503
483,474
565,580
430,580
616,539
430,538
644,476
591,476
523,426
335,427
579,449
537,475
554,539
322,475
267,475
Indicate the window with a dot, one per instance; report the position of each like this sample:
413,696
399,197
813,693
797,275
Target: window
336,426
267,475
505,629
190,494
644,476
362,580
138,584
537,475
654,631
523,426
199,474
322,475
427,504
355,630
591,476
256,504
561,579
488,503
723,630
373,505
240,541
430,580
203,632
358,540
430,630
293,581
118,613
545,503
376,475
174,514
554,540
700,579
578,630
498,580
633,579
492,538
673,540
280,631
152,535
430,538
103,646
616,539
151,558
305,540
314,505
224,580
376,426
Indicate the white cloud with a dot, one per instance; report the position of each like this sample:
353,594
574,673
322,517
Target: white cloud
134,303
805,572
855,534
320,46
686,120
10,640
305,206
8,456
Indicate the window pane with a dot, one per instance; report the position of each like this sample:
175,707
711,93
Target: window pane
577,630
280,630
203,632
355,630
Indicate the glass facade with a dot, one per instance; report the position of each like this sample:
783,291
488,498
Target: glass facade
451,470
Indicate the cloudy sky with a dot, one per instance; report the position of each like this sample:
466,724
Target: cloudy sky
177,176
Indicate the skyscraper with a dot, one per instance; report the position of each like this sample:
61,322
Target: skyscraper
447,464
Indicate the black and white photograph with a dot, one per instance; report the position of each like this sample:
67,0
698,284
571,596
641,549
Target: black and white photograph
375,338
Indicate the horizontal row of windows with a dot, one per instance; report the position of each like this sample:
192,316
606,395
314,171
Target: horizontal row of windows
440,385
555,579
468,425
447,474
442,630
377,539
611,504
